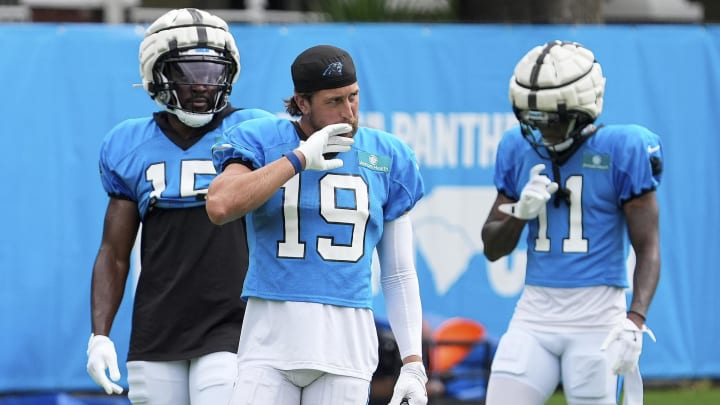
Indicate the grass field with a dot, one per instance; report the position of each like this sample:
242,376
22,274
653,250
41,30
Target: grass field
693,393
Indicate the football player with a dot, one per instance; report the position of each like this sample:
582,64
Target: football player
325,194
187,311
580,191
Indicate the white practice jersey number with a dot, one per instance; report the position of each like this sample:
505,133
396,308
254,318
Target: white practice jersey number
574,242
355,218
189,170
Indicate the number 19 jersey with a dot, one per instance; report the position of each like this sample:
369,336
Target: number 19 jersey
313,240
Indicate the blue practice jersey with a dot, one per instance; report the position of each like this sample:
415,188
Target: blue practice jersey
186,303
313,240
583,242
140,163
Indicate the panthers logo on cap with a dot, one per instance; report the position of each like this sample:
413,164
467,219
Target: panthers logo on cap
333,69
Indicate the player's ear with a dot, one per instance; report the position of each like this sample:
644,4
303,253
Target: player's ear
303,102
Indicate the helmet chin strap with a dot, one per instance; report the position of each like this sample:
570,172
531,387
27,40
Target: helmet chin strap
569,137
194,120
559,157
560,147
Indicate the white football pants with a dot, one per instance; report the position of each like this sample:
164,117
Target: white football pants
206,380
529,365
261,385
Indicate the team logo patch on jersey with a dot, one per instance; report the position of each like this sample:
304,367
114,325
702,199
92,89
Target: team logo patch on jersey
374,162
596,161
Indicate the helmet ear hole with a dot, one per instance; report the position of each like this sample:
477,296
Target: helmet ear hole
159,89
163,97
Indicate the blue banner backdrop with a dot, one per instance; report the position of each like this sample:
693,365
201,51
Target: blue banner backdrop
441,88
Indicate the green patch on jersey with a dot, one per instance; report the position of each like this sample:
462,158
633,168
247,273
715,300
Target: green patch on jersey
596,161
374,162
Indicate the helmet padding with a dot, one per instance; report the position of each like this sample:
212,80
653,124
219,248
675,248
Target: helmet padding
558,77
173,35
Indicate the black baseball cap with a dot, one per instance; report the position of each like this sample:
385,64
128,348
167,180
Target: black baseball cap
322,67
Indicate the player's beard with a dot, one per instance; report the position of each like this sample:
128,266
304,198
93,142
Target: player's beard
315,126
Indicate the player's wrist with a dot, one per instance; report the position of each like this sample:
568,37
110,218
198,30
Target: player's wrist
298,164
637,318
412,358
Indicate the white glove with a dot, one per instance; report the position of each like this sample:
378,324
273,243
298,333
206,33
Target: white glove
101,356
410,385
533,197
326,140
624,345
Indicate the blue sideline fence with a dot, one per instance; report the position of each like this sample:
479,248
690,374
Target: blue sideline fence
441,88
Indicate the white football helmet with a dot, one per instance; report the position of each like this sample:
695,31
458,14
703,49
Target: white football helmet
557,82
189,47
